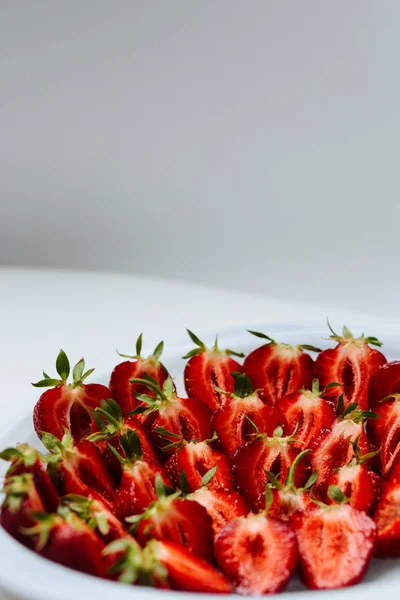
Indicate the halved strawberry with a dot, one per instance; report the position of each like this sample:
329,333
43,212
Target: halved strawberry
309,411
137,486
208,369
351,363
243,409
26,459
166,564
251,461
196,459
387,515
384,382
385,432
122,389
357,482
279,369
335,544
333,448
96,514
21,498
257,553
222,505
69,541
78,468
111,424
288,500
187,417
68,405
175,519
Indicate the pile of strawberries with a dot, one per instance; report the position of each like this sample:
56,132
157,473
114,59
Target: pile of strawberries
276,464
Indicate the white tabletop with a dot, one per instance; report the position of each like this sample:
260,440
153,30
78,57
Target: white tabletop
91,314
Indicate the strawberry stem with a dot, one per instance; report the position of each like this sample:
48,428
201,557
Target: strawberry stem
290,478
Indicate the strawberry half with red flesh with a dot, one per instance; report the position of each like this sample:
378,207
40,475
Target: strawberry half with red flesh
68,405
333,448
21,499
385,432
175,519
223,506
288,501
69,541
122,389
209,369
274,454
351,363
137,487
387,515
357,482
187,417
257,553
279,369
335,542
26,459
166,564
196,459
309,411
78,468
96,514
111,425
384,382
242,410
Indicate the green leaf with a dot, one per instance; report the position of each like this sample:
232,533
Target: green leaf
62,365
251,423
349,409
51,442
368,414
374,341
183,482
243,386
330,328
336,494
195,339
332,384
262,336
194,352
139,342
159,486
86,375
138,410
47,383
346,332
165,432
130,443
149,400
46,376
208,476
273,480
340,405
309,348
168,387
229,352
269,498
78,370
158,350
311,480
10,454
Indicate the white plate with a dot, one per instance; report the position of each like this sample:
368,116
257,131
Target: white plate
29,576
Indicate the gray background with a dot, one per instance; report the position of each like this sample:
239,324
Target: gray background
252,144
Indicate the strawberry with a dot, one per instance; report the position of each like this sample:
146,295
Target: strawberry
335,543
96,514
333,448
242,410
222,505
137,487
175,519
21,498
357,482
208,369
309,411
166,564
122,390
186,417
257,553
196,459
78,468
67,405
387,515
351,363
69,541
111,425
288,501
385,432
279,369
384,382
26,459
251,461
